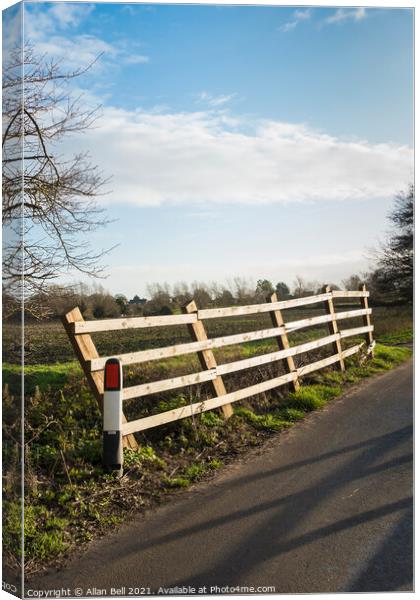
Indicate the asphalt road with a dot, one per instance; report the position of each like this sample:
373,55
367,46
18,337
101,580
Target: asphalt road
325,507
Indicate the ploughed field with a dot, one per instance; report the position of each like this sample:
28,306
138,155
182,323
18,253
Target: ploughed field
47,343
69,499
50,360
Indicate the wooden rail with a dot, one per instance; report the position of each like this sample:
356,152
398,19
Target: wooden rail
97,364
85,351
93,364
253,390
212,313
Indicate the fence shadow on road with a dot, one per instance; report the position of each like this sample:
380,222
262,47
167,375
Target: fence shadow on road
263,544
391,568
281,521
292,517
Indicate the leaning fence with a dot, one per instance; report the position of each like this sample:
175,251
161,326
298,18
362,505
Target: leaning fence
80,331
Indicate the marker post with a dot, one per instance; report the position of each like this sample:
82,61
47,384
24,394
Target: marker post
112,456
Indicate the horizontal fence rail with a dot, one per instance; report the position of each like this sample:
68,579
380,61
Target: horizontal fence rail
132,323
253,390
230,340
93,364
212,313
176,382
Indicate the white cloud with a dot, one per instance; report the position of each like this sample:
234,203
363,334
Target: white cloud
298,15
345,14
12,29
69,15
136,59
215,101
207,157
303,14
54,31
77,51
288,26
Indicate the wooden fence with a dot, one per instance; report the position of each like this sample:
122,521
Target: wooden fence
79,332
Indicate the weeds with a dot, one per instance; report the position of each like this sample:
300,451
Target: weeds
69,499
145,454
48,343
401,337
311,397
269,422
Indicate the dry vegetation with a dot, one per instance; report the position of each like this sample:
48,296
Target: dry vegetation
47,342
69,499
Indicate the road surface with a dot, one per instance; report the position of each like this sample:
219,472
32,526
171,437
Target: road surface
324,507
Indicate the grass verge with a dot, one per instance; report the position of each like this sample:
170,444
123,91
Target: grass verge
69,499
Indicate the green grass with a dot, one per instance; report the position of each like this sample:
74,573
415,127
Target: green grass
311,397
401,337
268,421
47,342
41,376
145,454
193,473
329,385
44,532
177,482
70,499
385,358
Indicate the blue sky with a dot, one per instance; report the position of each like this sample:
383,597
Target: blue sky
243,141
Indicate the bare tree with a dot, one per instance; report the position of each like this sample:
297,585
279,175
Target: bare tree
394,275
201,294
160,302
353,282
242,289
299,286
305,288
49,205
181,293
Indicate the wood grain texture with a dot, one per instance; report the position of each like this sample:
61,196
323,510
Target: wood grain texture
283,340
223,369
253,390
131,323
350,294
206,357
201,346
137,391
86,351
366,318
333,327
97,364
355,331
234,311
212,403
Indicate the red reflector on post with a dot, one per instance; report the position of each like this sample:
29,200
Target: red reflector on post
112,375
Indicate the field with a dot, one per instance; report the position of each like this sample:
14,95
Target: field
69,499
47,343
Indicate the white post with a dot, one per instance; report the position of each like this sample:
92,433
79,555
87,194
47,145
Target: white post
112,456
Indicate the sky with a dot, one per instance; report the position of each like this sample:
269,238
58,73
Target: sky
261,142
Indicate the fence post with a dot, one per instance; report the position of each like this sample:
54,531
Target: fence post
112,455
333,327
85,351
283,341
366,319
206,357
